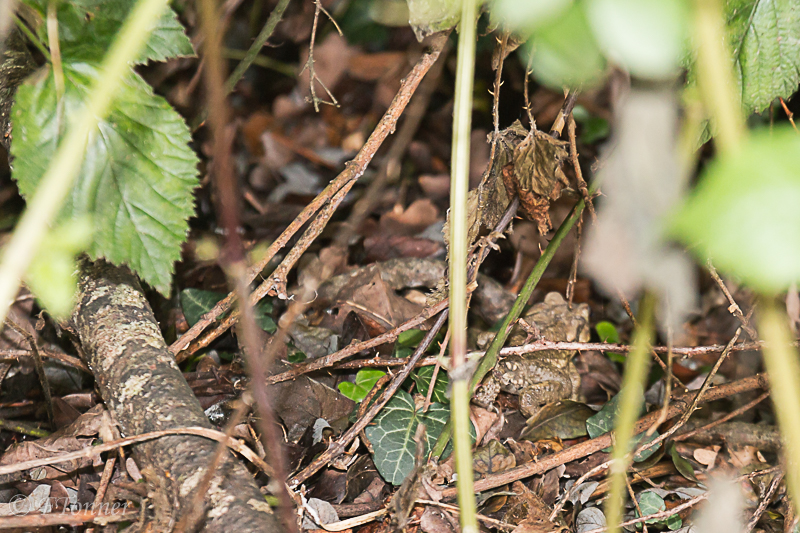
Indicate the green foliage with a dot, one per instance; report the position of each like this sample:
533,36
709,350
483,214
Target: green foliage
422,378
765,37
607,332
603,422
392,434
366,378
647,37
565,52
52,276
743,214
138,176
431,16
196,302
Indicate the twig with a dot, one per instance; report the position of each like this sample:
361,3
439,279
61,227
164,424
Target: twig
10,355
37,363
764,503
312,74
573,271
729,416
336,448
329,360
233,261
352,172
492,522
733,308
258,44
573,155
583,449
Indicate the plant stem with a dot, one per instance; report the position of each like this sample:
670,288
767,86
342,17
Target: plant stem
781,360
459,188
715,77
258,44
630,402
63,170
490,357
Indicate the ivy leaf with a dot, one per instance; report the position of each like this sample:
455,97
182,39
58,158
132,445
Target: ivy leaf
88,27
392,434
651,503
765,35
138,174
422,378
196,302
743,214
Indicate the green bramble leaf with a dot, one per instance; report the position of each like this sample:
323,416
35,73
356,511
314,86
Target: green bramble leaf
138,175
765,37
87,28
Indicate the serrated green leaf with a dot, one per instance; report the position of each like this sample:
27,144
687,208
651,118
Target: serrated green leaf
138,175
422,377
87,28
565,52
52,274
765,37
647,37
743,214
392,434
196,302
366,378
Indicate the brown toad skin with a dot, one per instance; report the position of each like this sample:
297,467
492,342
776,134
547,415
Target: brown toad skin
541,377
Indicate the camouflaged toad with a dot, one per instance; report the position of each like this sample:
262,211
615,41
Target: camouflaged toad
546,376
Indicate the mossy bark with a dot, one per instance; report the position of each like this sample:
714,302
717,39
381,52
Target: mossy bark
145,391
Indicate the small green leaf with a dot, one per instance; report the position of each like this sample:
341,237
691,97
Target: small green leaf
607,332
765,37
674,522
647,37
603,422
422,377
410,338
51,275
651,503
681,464
366,378
392,434
196,302
430,16
565,52
743,214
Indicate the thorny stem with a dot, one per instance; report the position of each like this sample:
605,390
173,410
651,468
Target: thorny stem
585,448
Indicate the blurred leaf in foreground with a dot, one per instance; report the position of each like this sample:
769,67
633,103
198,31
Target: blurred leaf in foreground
743,214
